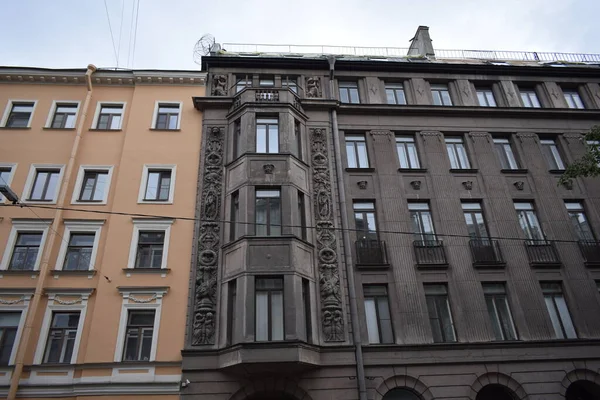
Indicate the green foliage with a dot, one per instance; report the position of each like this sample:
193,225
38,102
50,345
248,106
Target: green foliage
589,164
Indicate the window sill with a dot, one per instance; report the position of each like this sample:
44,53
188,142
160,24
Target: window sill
147,270
424,266
105,130
545,265
514,171
489,265
556,171
48,128
20,128
155,202
89,203
19,272
360,169
464,170
38,202
85,272
165,130
412,169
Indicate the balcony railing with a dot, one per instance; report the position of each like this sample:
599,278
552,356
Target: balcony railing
542,253
486,252
371,253
590,249
266,95
430,253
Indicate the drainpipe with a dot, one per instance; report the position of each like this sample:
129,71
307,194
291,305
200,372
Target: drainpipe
360,367
44,266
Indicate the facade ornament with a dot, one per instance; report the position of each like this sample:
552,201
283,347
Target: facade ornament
511,93
11,302
522,136
416,185
138,300
428,134
554,93
205,290
468,185
219,85
313,87
373,89
520,185
381,133
268,168
568,185
362,185
485,135
574,136
67,302
329,278
420,89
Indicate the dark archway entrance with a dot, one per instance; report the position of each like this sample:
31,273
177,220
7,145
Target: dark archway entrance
583,390
495,392
401,394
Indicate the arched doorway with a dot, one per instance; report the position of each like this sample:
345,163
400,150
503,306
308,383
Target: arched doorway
401,394
271,396
583,390
495,392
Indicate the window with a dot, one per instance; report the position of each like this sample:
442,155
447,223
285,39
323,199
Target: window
475,220
573,99
290,82
298,136
302,215
26,238
234,215
307,313
395,93
109,116
267,135
167,116
61,337
486,97
93,186
269,309
138,335
364,220
231,309
441,95
377,314
45,185
237,137
9,325
593,145
80,245
421,221
551,154
505,154
149,243
457,153
440,317
65,115
356,151
18,114
268,212
349,92
158,184
242,82
558,310
499,311
6,175
579,220
407,152
266,81
529,98
529,221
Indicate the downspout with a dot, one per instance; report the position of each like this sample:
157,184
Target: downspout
360,367
44,266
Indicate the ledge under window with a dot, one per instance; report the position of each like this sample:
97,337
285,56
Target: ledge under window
146,270
85,272
360,169
556,171
412,169
165,130
49,128
19,272
105,130
21,128
514,171
464,170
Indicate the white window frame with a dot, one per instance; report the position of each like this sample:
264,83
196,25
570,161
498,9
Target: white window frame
25,226
14,305
31,179
57,304
79,182
139,299
158,103
108,103
144,182
9,106
13,168
94,227
55,104
149,225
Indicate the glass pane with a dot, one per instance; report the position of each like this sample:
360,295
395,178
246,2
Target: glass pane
556,156
413,156
434,320
344,96
88,187
161,121
115,122
165,185
427,224
391,99
505,318
82,239
53,348
261,216
68,345
58,121
371,317
534,226
446,318
482,99
262,315
7,338
480,223
261,138
52,186
275,208
350,153
152,237
385,320
446,98
354,96
38,185
462,156
402,155
131,344
273,139
156,254
371,225
141,318
102,179
554,317
534,100
29,239
452,156
146,345
489,300
173,121
512,162
361,148
565,317
152,185
276,316
70,122
9,319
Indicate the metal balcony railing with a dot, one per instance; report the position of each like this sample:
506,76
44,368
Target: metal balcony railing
486,252
430,252
542,252
371,253
590,250
266,95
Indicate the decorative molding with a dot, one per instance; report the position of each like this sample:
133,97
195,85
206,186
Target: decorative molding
522,136
67,302
485,135
376,133
416,185
219,85
568,185
574,136
204,316
468,185
362,185
11,302
269,168
520,185
426,134
313,87
138,300
329,277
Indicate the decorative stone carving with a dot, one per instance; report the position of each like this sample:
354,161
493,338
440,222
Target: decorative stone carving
568,185
362,185
143,301
522,136
416,185
67,302
425,135
329,278
219,85
381,133
313,87
10,302
268,168
468,185
520,185
574,136
474,135
203,325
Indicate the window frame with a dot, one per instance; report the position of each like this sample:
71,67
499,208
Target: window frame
31,177
504,157
485,91
355,150
285,83
21,306
446,297
582,211
75,227
554,294
24,225
269,309
404,144
268,224
234,215
8,110
457,140
498,318
528,91
149,225
423,237
528,212
394,87
346,85
8,181
301,199
83,169
547,151
473,211
268,126
367,209
568,93
160,103
99,106
146,169
59,103
376,299
437,88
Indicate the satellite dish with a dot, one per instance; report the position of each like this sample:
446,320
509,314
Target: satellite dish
203,46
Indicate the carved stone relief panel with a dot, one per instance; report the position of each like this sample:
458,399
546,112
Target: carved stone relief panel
313,87
219,85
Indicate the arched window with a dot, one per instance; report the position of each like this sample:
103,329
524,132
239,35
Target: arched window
495,392
583,390
401,394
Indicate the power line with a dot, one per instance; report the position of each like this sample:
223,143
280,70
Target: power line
130,31
111,33
137,14
120,31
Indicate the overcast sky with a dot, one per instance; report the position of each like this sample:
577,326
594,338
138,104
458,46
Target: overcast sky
74,33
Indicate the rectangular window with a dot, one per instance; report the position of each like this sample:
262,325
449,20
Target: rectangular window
307,313
267,135
234,215
9,324
266,81
242,82
457,153
25,251
45,185
64,116
237,137
499,311
475,220
61,337
290,82
231,312
20,115
395,93
158,185
349,92
529,98
486,97
551,154
356,151
150,249
593,144
298,136
110,116
167,116
505,154
529,221
302,214
440,317
573,99
138,335
421,221
377,314
268,212
407,152
79,251
93,186
558,310
441,95
269,309
579,220
5,177
364,220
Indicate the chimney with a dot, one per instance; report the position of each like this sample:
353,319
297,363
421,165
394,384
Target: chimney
421,43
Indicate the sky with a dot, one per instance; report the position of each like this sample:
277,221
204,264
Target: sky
75,33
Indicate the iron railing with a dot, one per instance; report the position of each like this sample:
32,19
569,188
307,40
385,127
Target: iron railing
371,252
430,252
542,252
266,95
590,249
486,252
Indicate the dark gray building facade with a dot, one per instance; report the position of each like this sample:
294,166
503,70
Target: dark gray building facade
393,228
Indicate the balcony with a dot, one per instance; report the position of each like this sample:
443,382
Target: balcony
371,254
590,250
542,253
255,96
430,254
486,253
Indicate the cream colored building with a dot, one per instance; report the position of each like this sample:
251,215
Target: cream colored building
93,287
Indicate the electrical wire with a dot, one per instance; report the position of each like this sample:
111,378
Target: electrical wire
111,32
137,14
130,32
120,32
